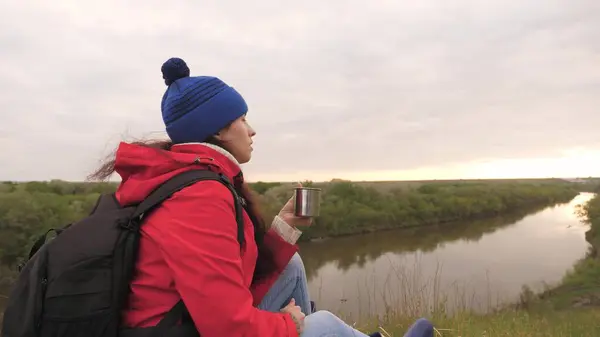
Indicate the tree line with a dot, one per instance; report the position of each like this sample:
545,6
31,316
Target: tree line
29,209
353,208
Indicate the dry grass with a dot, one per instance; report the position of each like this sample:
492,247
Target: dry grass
574,323
406,292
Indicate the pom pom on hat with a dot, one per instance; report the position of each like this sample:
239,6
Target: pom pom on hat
174,69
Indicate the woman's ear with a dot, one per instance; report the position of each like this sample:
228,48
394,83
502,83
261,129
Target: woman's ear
218,136
223,134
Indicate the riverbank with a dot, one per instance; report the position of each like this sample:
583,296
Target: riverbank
580,288
571,308
353,208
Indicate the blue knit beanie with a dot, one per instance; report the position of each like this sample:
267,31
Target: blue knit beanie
194,108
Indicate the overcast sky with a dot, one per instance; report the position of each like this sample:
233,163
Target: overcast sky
352,89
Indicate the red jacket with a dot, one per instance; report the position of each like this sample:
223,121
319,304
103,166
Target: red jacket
189,248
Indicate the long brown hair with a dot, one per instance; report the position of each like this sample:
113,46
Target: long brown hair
265,262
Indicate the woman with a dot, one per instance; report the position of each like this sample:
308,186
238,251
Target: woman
189,249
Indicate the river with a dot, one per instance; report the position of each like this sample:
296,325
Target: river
475,264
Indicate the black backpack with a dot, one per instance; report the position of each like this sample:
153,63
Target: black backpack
76,284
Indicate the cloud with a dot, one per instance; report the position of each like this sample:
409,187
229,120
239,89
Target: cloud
332,86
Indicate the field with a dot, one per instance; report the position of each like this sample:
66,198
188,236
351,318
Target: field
29,208
386,186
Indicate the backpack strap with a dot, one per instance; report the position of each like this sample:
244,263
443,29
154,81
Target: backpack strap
38,244
185,179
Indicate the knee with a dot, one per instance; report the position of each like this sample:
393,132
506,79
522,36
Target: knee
424,323
323,316
322,321
296,265
421,328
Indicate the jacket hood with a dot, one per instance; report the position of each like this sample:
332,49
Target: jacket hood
143,169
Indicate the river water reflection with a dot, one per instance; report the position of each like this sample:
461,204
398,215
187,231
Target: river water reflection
476,264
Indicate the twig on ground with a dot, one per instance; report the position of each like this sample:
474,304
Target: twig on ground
387,334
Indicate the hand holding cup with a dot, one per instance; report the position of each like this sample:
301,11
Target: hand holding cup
302,207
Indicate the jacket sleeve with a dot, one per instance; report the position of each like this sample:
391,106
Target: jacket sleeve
288,233
199,244
281,239
277,239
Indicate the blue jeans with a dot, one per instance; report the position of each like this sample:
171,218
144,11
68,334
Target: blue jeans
292,283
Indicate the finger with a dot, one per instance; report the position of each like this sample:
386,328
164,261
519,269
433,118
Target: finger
290,202
298,185
299,221
291,305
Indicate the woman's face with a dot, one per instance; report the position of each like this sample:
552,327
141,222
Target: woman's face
237,139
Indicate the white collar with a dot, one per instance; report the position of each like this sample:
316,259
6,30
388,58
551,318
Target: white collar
216,148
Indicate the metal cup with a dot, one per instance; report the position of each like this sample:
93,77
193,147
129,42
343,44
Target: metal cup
307,202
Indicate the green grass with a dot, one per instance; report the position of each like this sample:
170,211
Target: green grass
516,323
555,313
580,288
